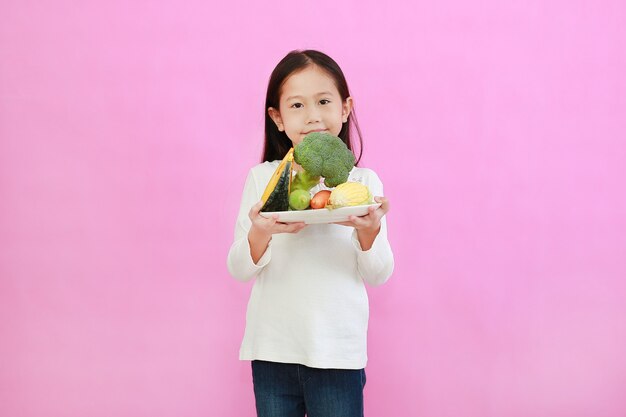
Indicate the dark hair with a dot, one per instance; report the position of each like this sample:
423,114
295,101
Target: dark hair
276,142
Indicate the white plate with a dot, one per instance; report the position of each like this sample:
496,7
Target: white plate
320,215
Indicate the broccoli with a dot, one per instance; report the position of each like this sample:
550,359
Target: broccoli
322,154
304,181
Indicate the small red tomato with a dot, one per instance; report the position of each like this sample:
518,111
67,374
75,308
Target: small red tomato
320,199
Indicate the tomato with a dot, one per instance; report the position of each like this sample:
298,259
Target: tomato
320,199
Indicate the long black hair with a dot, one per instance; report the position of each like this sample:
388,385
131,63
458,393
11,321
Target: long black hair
276,142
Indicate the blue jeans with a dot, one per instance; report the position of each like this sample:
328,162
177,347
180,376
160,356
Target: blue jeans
291,390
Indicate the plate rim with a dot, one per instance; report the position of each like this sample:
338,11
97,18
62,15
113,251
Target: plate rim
268,214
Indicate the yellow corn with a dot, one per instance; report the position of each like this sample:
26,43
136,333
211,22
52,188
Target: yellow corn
349,194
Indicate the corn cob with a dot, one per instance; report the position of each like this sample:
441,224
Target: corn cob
349,194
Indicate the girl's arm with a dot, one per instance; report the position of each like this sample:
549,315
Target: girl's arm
368,226
375,261
375,258
250,252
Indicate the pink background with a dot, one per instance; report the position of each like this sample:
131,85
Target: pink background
127,129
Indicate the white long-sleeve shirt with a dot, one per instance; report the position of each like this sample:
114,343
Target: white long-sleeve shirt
308,304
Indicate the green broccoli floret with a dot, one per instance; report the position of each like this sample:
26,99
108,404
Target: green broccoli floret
322,154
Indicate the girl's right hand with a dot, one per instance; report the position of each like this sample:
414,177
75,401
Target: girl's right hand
269,226
262,230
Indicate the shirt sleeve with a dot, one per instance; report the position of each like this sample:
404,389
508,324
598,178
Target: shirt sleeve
375,265
240,263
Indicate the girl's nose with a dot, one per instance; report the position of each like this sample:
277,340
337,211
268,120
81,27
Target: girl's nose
313,116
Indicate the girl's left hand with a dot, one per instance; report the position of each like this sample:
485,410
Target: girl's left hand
369,223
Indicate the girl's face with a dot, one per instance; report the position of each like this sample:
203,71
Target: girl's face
310,102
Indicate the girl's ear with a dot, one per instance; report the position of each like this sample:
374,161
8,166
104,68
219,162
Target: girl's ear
275,115
346,109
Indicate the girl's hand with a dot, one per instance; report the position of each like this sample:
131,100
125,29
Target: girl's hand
368,226
262,230
262,226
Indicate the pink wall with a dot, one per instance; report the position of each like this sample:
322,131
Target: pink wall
126,131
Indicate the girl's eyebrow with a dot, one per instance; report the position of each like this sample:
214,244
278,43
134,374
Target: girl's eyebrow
323,93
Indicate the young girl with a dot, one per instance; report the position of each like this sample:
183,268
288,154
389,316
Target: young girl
306,325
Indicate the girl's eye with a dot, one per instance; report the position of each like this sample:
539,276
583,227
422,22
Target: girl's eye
324,101
297,105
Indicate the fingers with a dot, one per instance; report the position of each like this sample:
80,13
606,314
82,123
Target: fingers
384,204
369,221
271,224
288,227
255,209
294,227
364,221
347,223
361,221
